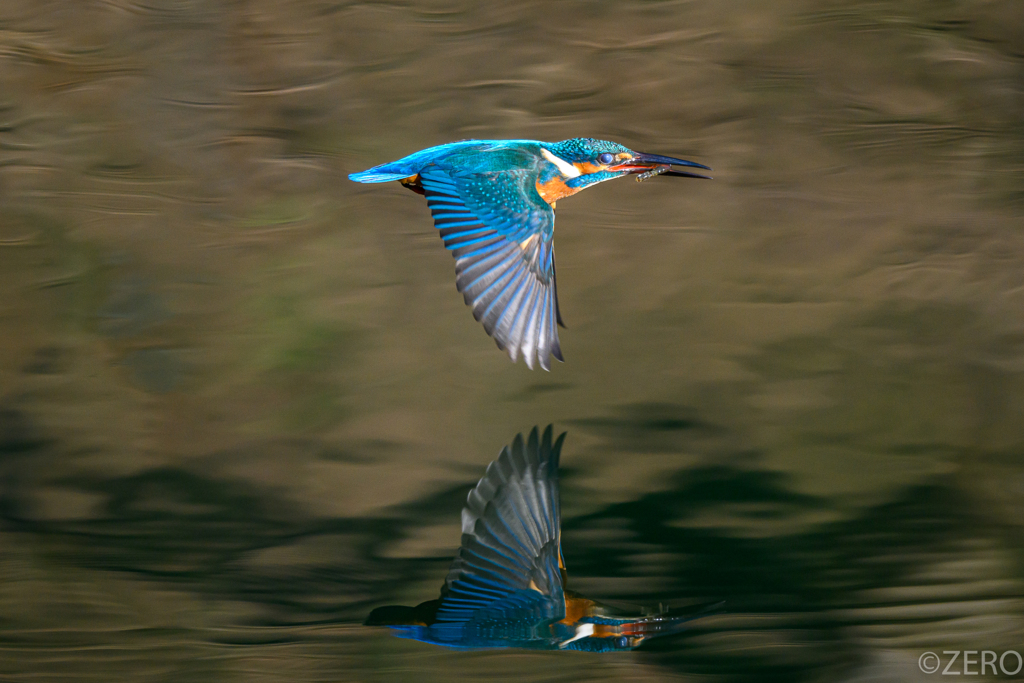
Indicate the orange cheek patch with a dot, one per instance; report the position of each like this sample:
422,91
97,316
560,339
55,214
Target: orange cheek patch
555,189
586,167
605,631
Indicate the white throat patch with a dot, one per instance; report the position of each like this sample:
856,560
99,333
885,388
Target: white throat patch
582,631
567,169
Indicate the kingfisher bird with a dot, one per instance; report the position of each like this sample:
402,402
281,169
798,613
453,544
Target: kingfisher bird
494,204
506,586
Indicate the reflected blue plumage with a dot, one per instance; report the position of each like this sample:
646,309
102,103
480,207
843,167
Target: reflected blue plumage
505,587
493,203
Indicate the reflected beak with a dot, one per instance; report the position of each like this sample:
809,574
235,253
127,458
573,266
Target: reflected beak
660,165
652,627
665,625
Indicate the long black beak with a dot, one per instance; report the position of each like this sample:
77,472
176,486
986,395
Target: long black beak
643,162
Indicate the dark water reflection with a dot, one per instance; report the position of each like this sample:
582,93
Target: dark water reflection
806,599
241,402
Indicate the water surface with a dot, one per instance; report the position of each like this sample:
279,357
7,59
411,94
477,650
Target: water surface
242,402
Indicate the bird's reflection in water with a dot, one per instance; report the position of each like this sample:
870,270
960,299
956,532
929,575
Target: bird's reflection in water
506,587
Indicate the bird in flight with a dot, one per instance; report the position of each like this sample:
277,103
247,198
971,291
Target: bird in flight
494,204
506,586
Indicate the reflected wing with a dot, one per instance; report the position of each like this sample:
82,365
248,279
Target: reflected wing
500,230
507,572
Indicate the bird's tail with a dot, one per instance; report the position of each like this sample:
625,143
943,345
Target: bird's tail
382,174
400,615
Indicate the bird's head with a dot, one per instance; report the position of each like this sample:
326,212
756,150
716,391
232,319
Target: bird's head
584,161
605,634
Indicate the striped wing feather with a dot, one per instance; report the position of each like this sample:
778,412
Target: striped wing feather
507,568
504,261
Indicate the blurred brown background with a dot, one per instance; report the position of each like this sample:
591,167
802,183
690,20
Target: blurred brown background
241,401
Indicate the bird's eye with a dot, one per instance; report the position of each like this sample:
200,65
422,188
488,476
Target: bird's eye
606,158
622,641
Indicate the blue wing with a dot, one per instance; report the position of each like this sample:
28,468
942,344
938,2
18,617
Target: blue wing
506,583
500,232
